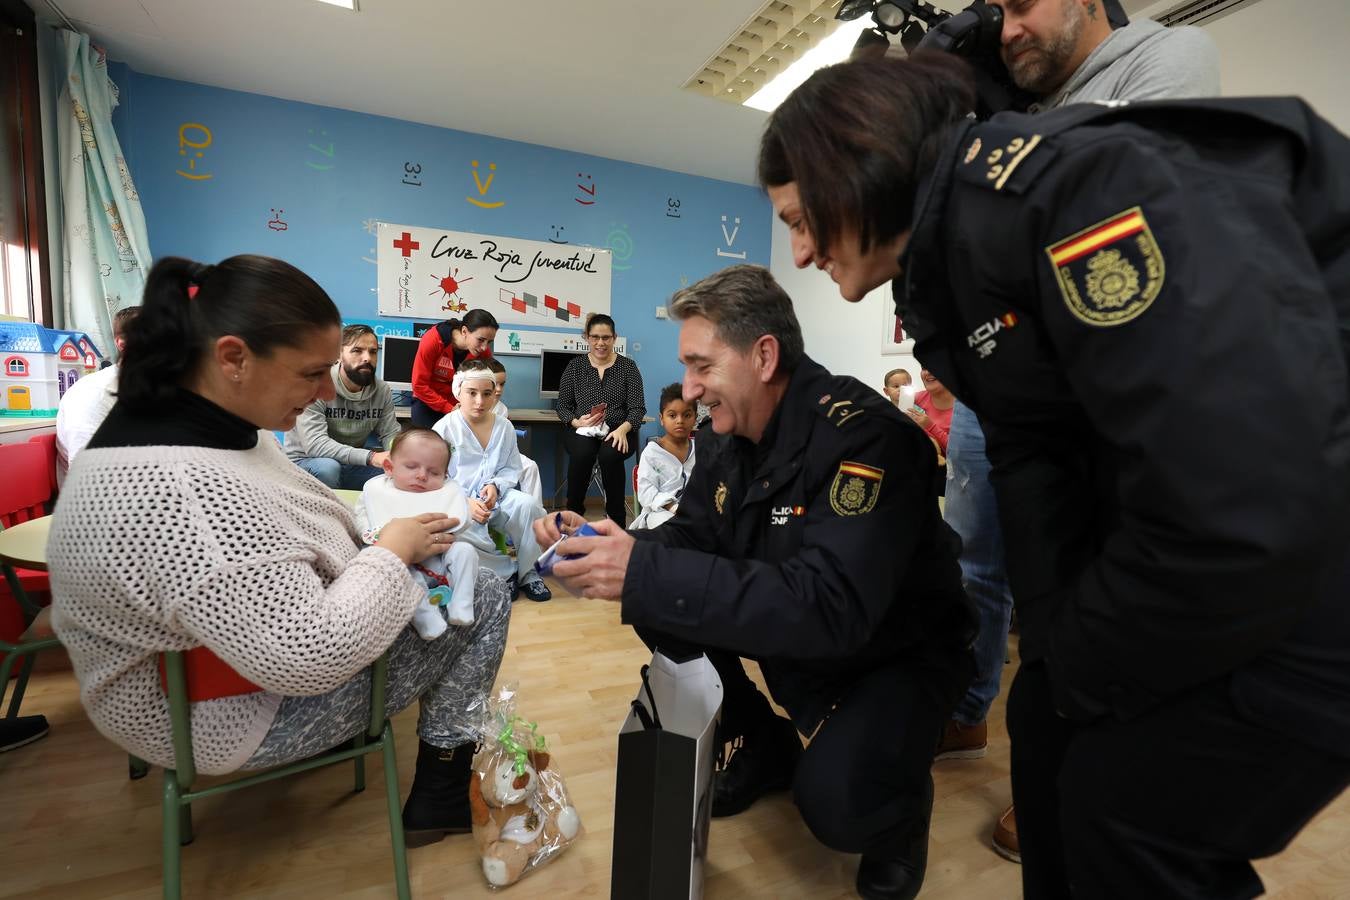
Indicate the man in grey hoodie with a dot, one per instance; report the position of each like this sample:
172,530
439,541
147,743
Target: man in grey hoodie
1063,51
329,440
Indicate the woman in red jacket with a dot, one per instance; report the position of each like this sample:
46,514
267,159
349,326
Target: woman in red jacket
440,352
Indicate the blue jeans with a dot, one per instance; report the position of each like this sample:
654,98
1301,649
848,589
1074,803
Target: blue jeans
972,512
336,475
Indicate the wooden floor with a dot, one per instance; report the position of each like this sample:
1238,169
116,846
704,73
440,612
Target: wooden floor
75,827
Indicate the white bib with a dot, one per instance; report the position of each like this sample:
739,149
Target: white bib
384,502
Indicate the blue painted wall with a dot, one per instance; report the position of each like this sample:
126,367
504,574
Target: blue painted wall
328,173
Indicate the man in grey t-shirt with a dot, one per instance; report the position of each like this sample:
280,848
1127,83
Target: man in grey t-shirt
331,440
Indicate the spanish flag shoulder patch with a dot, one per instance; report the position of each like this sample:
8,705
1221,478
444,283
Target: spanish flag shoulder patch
855,488
1111,272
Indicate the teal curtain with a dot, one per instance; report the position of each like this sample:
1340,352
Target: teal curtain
105,247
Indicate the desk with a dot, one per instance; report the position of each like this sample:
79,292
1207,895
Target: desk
518,416
17,429
25,545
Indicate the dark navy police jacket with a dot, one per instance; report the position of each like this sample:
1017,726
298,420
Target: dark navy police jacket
1148,306
820,551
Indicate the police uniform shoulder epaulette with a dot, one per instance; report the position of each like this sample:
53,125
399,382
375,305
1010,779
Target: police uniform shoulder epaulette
1004,155
847,402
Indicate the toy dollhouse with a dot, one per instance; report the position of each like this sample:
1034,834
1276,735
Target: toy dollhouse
37,364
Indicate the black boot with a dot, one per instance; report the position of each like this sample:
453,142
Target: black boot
764,762
438,803
899,875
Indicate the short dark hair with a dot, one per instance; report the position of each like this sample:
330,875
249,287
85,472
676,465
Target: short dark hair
121,318
265,302
669,394
595,319
857,137
420,433
744,303
495,365
353,333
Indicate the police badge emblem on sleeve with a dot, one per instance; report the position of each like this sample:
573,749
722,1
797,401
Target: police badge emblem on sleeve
855,488
1110,273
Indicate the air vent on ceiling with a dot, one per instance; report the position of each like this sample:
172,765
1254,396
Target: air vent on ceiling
1199,12
770,41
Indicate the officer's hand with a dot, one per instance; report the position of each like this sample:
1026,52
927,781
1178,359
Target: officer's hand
546,530
601,571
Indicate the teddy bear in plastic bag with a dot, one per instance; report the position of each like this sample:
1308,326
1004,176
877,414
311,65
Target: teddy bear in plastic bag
522,816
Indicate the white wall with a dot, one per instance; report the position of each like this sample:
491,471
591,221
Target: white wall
843,337
1269,47
1284,47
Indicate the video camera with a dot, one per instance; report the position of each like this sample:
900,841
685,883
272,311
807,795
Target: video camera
974,34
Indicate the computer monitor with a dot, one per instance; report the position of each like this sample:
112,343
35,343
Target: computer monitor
551,366
397,352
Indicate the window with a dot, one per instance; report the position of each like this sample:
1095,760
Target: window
25,286
16,365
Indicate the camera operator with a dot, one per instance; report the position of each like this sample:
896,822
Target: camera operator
1119,293
1061,51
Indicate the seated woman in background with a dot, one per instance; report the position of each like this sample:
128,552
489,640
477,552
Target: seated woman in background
440,351
667,462
600,398
181,526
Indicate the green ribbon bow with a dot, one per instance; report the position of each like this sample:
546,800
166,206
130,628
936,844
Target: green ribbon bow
521,752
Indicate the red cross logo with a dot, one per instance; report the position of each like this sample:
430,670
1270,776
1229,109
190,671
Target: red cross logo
407,244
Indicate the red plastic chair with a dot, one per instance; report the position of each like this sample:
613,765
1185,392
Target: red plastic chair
25,493
48,444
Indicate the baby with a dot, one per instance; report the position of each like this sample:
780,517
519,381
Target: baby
414,482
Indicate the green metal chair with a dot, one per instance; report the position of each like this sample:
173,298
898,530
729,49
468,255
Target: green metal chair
179,795
36,637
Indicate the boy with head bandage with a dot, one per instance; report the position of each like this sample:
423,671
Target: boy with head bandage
486,463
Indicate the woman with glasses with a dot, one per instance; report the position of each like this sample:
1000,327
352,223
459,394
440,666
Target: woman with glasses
600,399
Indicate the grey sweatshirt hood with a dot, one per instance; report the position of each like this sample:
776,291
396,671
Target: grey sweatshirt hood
1143,61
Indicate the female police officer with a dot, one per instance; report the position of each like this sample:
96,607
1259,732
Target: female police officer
1120,293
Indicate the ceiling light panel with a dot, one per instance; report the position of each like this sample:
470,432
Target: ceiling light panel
769,42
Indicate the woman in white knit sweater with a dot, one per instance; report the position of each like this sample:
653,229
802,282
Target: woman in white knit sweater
183,526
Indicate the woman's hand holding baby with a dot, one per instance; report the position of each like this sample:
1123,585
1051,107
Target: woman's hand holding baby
414,538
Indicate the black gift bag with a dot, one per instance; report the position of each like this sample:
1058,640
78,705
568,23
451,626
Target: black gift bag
663,791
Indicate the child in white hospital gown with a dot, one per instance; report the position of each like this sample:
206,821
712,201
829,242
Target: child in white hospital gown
667,462
486,464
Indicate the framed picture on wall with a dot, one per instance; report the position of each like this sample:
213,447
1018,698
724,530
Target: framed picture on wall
894,340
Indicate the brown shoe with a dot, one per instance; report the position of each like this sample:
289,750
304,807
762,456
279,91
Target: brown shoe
962,741
1005,837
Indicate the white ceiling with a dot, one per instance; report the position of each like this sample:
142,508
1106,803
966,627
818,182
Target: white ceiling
595,76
